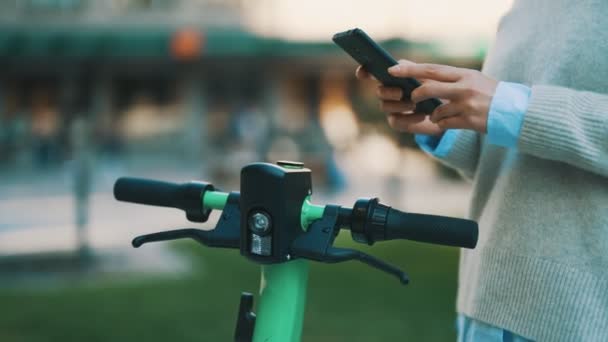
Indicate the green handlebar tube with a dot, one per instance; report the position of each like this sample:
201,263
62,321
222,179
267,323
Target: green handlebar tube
215,200
310,212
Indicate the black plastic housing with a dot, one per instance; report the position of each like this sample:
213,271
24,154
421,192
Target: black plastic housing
280,192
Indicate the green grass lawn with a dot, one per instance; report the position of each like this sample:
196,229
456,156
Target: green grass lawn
346,302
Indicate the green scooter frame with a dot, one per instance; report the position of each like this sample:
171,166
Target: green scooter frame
280,312
280,309
273,223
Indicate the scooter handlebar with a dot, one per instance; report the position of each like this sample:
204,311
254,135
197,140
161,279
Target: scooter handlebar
440,230
184,196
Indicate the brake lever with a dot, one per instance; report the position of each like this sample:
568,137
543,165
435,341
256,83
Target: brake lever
227,232
317,244
210,238
344,254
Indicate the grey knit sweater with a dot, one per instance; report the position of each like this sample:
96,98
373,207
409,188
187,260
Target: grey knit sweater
540,268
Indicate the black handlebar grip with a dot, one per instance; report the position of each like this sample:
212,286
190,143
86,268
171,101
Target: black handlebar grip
146,191
185,196
440,230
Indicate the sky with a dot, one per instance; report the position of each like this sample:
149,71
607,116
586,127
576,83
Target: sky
455,24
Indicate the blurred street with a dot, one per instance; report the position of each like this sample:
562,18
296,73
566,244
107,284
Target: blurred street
38,212
38,228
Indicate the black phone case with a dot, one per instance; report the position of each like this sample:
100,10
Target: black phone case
376,61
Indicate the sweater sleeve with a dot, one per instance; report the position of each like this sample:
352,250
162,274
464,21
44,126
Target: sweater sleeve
569,126
457,149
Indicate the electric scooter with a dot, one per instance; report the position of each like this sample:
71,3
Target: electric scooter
273,222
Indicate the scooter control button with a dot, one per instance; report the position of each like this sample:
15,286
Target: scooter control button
290,164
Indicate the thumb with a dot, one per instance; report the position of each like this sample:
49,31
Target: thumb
400,69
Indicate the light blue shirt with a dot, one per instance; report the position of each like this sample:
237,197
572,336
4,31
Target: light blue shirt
471,330
505,119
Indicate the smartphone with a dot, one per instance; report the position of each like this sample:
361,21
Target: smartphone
376,61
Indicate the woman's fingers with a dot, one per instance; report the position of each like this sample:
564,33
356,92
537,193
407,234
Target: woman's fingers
402,122
389,93
476,123
363,75
431,89
454,122
396,106
413,123
444,111
437,72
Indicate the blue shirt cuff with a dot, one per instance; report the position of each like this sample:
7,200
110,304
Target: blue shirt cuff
506,114
438,146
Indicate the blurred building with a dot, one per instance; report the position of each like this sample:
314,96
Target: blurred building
184,78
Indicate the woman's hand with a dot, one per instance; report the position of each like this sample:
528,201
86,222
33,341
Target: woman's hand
466,95
400,113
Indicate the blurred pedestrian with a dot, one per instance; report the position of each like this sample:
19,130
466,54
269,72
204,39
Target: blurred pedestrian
531,132
45,130
251,129
82,161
